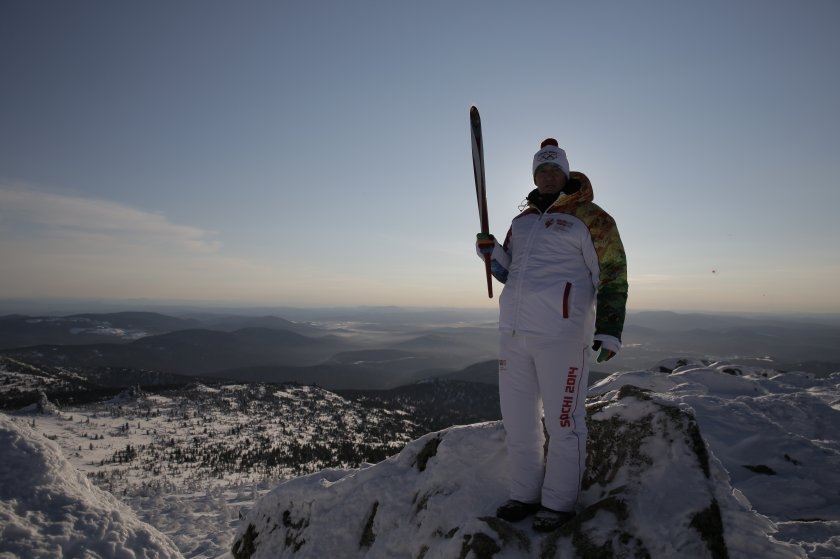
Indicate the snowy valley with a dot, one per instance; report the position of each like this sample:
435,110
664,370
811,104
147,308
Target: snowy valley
688,458
189,459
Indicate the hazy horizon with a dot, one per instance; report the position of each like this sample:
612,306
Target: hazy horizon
61,306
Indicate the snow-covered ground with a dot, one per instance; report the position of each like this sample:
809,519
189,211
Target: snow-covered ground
769,486
50,509
652,489
190,461
16,376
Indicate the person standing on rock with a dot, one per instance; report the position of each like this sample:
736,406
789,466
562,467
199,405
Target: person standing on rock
565,275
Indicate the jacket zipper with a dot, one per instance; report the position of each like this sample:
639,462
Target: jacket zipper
524,266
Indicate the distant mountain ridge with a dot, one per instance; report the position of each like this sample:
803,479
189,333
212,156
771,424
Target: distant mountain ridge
190,352
18,330
82,329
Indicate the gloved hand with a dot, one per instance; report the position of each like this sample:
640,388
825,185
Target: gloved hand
605,354
485,243
608,347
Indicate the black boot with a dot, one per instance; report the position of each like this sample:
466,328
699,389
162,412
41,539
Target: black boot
514,511
548,520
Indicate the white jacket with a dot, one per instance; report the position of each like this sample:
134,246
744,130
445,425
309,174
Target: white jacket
557,265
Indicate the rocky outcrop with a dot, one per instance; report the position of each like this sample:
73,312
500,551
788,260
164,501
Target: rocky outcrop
652,489
44,406
130,394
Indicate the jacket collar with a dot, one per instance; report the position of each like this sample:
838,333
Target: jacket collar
578,190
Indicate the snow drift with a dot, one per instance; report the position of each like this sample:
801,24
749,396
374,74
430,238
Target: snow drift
652,488
50,509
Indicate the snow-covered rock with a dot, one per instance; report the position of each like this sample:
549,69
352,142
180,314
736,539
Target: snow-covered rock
44,405
652,489
199,387
49,509
130,394
777,436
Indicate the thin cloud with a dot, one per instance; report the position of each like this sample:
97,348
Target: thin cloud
61,245
57,245
47,214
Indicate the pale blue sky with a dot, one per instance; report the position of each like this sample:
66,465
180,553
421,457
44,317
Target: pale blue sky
318,153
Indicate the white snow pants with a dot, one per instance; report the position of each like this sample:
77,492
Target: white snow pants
555,371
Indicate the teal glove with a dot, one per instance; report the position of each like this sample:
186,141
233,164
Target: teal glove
605,354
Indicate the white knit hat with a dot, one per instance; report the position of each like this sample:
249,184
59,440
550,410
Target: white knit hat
550,152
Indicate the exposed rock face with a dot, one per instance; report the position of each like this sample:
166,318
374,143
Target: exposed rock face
651,489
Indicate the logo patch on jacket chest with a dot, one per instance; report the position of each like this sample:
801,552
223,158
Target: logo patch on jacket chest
558,224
